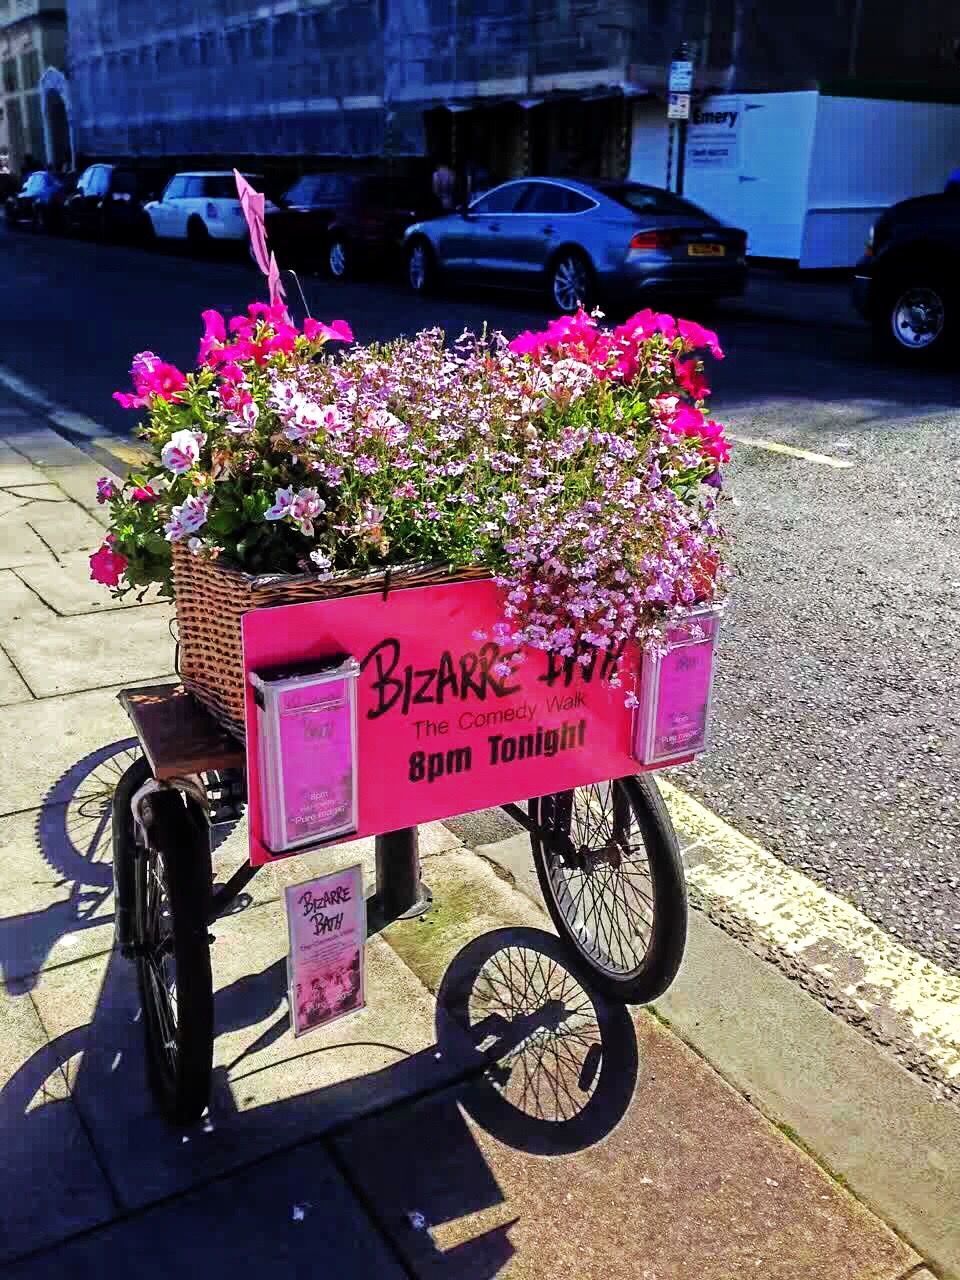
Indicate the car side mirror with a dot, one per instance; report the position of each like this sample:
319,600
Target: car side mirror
463,211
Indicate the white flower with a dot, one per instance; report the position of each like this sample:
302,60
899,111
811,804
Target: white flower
281,506
181,451
186,519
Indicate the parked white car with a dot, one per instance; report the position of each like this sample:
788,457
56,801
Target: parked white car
200,207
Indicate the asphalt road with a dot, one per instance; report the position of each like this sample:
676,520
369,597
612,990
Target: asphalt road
837,738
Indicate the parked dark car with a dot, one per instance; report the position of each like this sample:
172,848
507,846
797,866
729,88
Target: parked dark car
344,223
907,285
580,242
108,203
40,201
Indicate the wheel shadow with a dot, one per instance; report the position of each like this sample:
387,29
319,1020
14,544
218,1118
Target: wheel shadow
524,1050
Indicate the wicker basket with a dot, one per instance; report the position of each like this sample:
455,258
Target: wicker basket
211,598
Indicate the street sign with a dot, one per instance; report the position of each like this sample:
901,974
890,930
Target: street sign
681,77
678,106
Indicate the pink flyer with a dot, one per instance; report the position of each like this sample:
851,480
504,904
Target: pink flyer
326,922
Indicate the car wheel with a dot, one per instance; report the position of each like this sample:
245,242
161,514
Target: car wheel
421,267
198,237
571,281
914,320
338,259
37,223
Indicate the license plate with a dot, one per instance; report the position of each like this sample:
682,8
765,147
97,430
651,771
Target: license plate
706,250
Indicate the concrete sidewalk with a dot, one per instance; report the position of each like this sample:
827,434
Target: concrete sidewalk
425,1136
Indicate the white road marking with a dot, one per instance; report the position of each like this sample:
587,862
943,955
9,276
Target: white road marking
806,455
798,918
13,382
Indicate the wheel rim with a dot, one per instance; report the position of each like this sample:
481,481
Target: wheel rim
418,267
338,259
598,875
569,283
918,318
159,964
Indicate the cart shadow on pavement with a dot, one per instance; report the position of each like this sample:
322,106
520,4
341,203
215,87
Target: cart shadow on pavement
521,1048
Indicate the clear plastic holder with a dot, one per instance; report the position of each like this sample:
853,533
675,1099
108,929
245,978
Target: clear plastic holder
307,755
672,718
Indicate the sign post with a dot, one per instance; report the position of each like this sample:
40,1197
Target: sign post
679,89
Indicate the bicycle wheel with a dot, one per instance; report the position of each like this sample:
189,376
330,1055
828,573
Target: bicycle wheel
172,897
609,867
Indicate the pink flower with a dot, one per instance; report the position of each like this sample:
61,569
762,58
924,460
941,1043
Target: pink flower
181,451
698,338
127,401
151,377
107,566
527,343
106,490
306,506
691,379
317,331
214,334
143,493
715,443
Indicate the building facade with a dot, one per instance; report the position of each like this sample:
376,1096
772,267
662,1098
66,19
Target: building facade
508,85
32,41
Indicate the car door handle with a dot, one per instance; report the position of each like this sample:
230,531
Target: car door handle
493,226
547,231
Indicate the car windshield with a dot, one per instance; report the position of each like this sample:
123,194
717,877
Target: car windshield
34,184
317,188
653,200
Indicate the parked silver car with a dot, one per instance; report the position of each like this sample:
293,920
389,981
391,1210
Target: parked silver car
581,242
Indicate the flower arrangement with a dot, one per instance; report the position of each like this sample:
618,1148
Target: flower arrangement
579,463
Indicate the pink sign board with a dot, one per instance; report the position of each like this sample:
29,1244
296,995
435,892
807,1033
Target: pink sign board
438,732
326,923
675,691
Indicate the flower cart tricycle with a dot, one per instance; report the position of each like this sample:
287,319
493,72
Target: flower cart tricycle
412,582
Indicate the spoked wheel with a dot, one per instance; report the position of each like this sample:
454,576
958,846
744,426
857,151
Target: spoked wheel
172,897
612,879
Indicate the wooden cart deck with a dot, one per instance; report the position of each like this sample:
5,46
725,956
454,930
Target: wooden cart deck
178,734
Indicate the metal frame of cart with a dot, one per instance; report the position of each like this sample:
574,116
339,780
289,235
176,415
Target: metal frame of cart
606,856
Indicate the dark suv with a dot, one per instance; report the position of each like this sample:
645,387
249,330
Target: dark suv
108,203
344,223
908,282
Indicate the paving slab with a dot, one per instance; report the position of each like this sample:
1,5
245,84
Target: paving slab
19,544
15,468
50,1183
46,918
877,1125
692,1184
67,588
68,655
42,446
12,687
18,602
66,735
243,1227
270,1090
63,526
79,481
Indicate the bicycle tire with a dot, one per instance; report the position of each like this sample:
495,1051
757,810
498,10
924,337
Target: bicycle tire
177,864
560,855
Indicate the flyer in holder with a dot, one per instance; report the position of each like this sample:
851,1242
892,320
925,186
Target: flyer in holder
326,922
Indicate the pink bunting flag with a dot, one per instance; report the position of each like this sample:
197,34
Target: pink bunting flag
252,204
277,293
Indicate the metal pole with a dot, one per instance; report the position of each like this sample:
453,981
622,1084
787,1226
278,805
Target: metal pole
681,155
401,894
